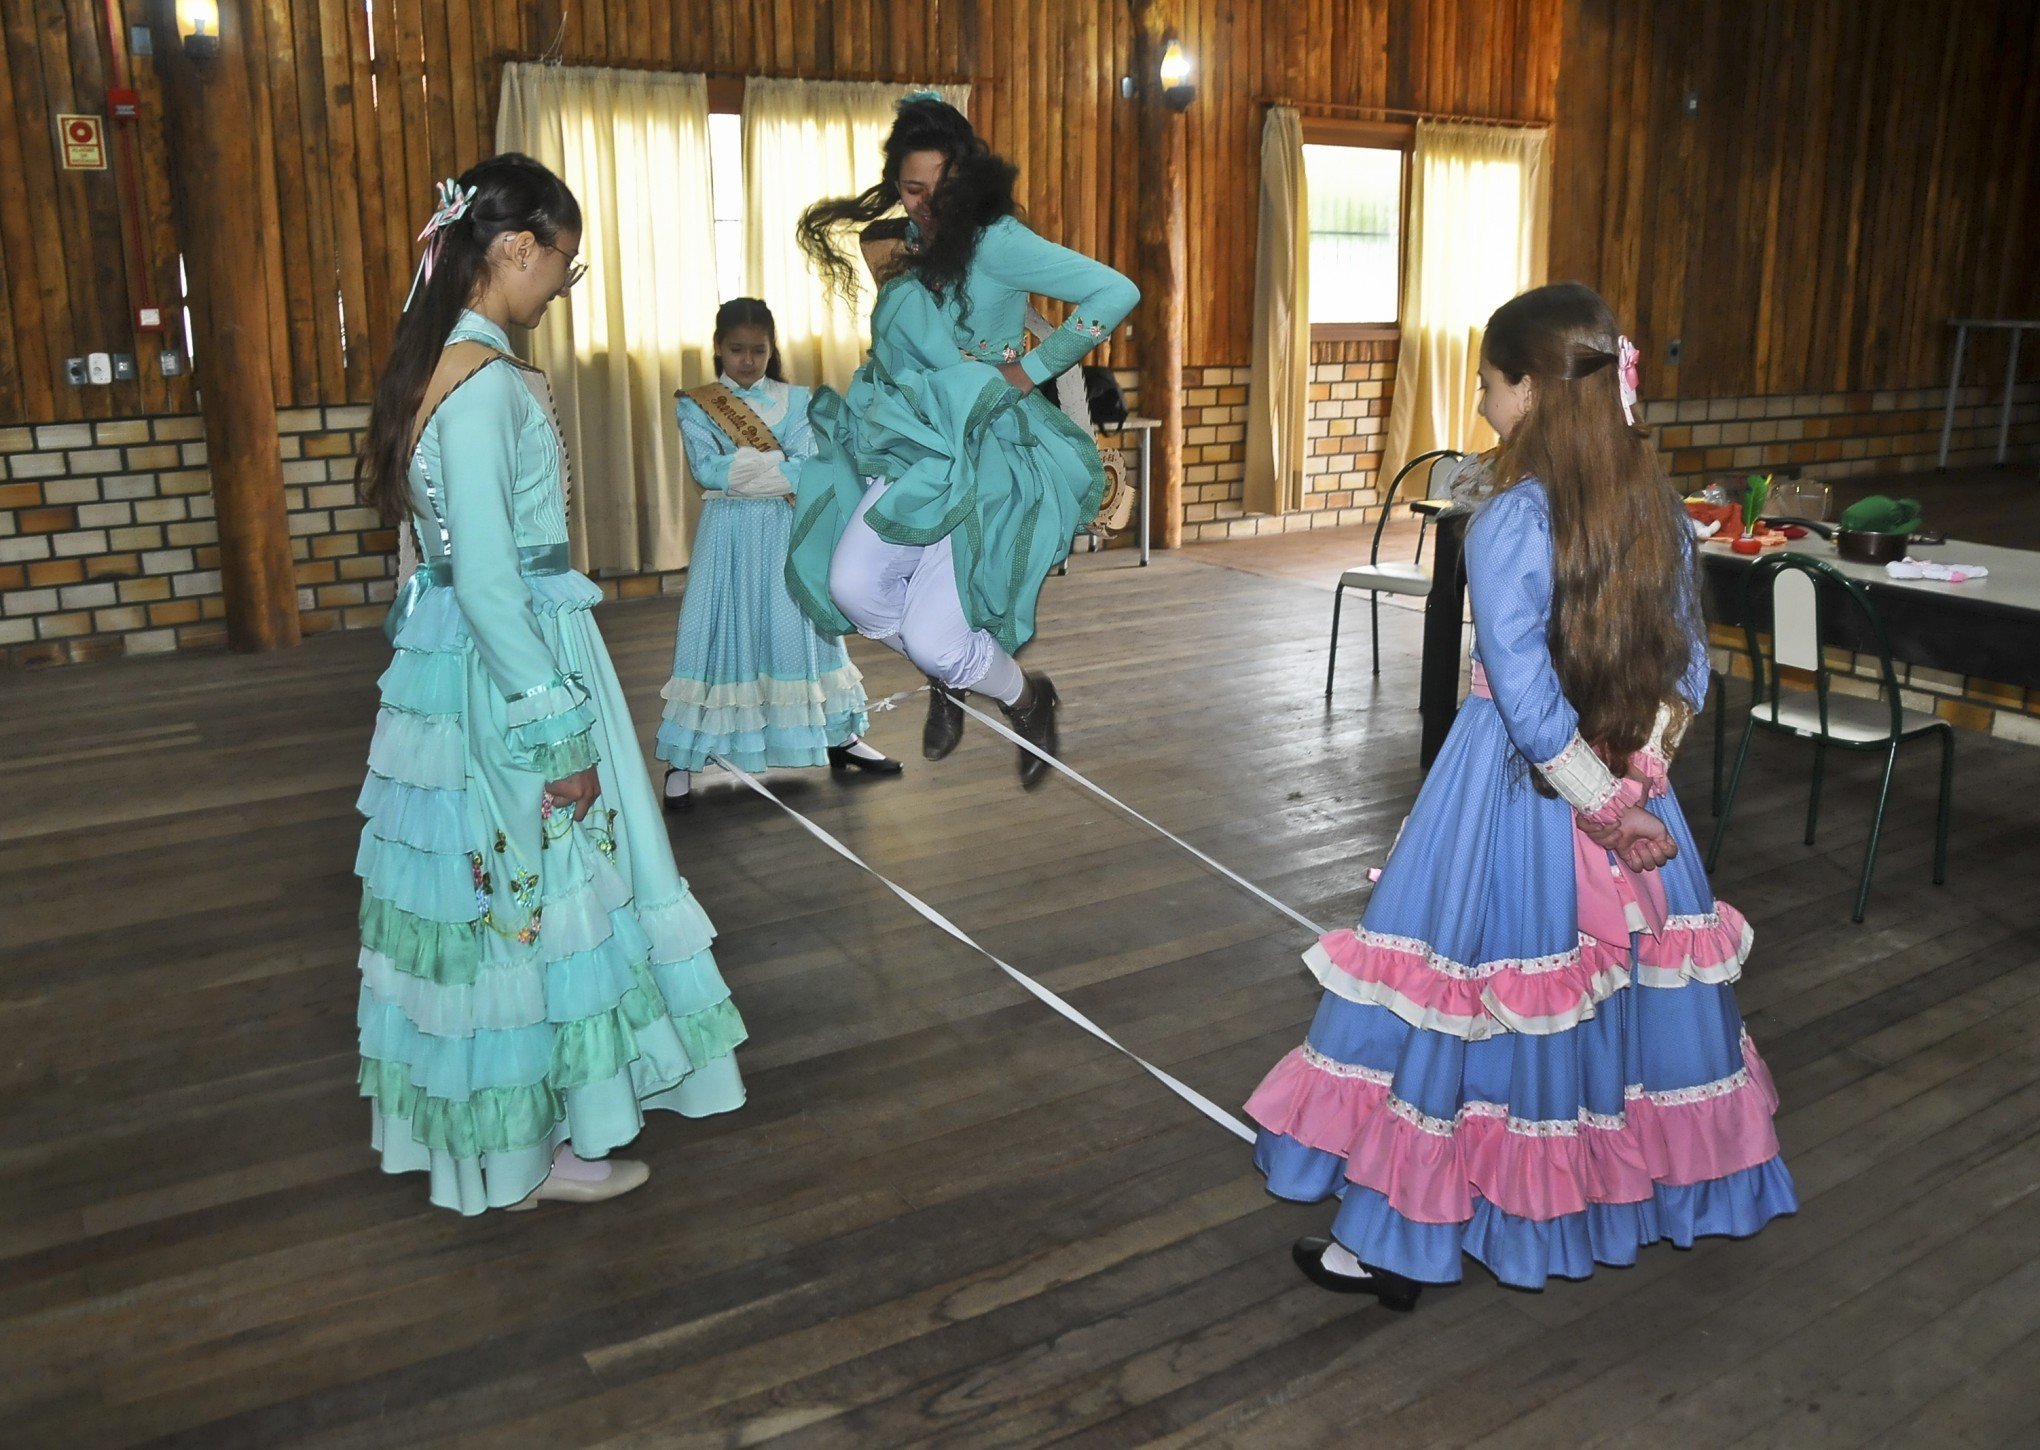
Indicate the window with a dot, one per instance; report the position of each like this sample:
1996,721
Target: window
1355,233
1356,213
726,172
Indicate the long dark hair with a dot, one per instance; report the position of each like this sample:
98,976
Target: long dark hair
750,312
976,190
1623,582
512,193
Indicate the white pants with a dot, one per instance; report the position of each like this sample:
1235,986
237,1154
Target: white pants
904,596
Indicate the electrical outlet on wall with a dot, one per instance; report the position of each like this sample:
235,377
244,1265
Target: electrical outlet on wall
74,372
1672,351
99,369
123,367
170,361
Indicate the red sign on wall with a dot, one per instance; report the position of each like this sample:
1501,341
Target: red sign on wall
83,139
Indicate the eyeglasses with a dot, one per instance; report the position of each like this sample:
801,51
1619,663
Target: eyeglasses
576,269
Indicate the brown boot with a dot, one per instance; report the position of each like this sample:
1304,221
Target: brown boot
1033,720
945,722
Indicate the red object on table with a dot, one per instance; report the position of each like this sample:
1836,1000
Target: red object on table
1728,515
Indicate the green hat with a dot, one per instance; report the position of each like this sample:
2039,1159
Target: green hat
1880,515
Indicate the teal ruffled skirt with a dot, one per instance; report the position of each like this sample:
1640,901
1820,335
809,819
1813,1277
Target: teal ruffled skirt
753,680
527,981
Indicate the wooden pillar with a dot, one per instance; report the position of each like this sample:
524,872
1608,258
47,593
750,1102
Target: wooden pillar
1162,249
214,141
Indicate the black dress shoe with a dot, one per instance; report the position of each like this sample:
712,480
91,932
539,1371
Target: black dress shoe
840,758
945,722
676,803
1393,1290
1036,724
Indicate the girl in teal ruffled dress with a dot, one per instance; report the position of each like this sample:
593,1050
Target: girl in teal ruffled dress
754,681
944,487
535,973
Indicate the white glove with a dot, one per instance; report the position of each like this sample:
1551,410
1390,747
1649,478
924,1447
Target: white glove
756,475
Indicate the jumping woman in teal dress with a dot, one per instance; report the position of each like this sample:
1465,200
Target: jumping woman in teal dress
944,487
535,973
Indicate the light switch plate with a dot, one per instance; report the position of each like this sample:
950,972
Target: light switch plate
171,362
123,367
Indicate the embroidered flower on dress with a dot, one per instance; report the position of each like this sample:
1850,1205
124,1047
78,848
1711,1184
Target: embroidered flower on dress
523,887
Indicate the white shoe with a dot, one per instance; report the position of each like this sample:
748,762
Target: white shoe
624,1175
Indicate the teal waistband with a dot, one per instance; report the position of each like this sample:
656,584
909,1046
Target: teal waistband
533,561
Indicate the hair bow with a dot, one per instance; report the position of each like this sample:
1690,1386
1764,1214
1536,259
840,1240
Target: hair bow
1627,376
926,93
452,205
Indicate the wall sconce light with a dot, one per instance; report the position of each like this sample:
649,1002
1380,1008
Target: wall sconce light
198,26
1178,89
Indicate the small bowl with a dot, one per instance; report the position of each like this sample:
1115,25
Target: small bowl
1859,546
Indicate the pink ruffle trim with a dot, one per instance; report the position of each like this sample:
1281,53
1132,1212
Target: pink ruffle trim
1539,995
1430,1169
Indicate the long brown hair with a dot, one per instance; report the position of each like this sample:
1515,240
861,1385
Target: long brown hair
976,190
1624,594
512,193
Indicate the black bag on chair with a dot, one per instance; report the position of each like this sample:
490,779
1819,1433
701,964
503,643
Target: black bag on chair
1108,403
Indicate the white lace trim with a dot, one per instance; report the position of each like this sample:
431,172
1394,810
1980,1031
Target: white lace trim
1580,777
1379,1077
1530,1127
1703,1092
761,691
1413,946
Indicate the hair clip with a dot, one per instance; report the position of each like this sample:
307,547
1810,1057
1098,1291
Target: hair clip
1627,377
912,98
452,205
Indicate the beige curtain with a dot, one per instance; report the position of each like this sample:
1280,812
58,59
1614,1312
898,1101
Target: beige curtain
804,141
1480,216
1277,399
634,147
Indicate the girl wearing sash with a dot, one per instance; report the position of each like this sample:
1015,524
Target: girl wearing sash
944,487
753,680
535,973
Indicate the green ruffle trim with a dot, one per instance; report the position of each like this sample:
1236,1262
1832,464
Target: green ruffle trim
715,1031
560,759
592,1050
448,953
595,1049
494,1120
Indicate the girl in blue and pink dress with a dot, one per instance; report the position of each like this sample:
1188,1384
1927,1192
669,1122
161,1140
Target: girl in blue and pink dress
1529,1051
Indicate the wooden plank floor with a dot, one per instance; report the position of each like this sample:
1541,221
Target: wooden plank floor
946,1216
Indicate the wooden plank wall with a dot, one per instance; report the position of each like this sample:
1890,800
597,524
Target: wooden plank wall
64,278
1854,175
1863,113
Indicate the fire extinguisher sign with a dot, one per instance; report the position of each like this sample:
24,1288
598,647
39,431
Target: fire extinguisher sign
83,141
